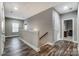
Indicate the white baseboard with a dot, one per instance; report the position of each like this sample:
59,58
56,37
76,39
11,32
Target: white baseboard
78,50
1,52
11,36
2,49
72,41
47,43
35,48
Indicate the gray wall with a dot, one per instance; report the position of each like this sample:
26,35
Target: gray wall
2,31
8,26
78,26
43,22
71,15
56,23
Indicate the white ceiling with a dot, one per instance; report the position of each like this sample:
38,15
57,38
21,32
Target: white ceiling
72,6
28,9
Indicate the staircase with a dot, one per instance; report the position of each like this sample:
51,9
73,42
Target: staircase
43,39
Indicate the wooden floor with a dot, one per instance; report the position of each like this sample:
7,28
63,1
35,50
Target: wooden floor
64,48
15,47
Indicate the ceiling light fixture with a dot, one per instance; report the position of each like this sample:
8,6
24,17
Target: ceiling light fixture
15,8
66,8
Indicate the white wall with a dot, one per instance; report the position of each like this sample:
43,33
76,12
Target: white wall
31,39
2,31
56,23
78,26
71,15
29,28
43,22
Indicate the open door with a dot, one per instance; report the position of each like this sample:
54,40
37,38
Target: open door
68,30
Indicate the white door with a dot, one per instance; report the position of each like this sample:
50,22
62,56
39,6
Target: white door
2,28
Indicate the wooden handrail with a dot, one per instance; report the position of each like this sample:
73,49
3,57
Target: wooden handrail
43,35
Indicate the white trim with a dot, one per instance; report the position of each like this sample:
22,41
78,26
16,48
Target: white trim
43,44
71,41
47,43
78,49
2,45
35,48
2,51
63,28
11,36
2,48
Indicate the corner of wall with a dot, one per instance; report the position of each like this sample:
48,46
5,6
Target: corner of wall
33,47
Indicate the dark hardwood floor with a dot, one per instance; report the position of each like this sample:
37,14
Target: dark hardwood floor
15,47
64,48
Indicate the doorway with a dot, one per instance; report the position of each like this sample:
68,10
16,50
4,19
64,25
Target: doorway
68,29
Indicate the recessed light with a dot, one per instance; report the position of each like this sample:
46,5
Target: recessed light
66,8
15,8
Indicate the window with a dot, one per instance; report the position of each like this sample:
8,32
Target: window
25,27
15,27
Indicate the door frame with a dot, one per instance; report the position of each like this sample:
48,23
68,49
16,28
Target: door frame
63,28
